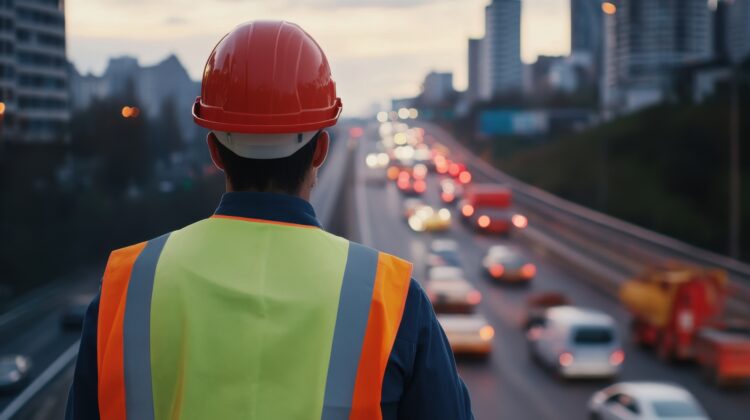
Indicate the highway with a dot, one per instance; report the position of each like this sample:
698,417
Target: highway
509,385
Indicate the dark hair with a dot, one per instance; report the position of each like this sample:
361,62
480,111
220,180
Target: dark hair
285,174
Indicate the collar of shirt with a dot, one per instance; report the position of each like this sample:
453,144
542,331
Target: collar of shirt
268,206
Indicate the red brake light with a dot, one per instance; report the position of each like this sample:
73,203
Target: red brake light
447,197
497,270
420,186
617,357
566,359
483,221
464,177
520,221
474,297
528,270
467,210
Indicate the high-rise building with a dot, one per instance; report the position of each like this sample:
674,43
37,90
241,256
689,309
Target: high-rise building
586,28
474,69
437,87
647,41
33,70
502,47
738,29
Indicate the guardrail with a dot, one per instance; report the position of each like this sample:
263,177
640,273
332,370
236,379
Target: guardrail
634,245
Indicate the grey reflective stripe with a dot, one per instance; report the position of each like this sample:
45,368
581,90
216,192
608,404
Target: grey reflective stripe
136,331
349,333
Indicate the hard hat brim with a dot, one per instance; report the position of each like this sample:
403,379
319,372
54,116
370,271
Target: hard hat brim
214,118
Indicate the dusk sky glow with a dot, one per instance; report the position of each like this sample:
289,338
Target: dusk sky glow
377,49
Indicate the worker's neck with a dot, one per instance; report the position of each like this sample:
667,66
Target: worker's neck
304,192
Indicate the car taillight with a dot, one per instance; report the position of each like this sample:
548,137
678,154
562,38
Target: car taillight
420,186
617,357
528,270
392,173
403,183
464,177
566,359
520,221
474,297
497,270
467,210
483,221
534,333
486,333
454,169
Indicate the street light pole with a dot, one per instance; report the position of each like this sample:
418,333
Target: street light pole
734,164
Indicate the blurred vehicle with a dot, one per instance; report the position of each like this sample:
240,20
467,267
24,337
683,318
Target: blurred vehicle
74,312
409,185
487,208
450,292
450,191
577,343
428,219
678,309
423,156
508,264
377,160
468,335
645,401
443,252
14,372
538,303
411,205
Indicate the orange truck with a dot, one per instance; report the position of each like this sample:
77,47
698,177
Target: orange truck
679,310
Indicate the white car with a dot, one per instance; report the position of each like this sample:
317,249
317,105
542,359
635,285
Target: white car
645,401
443,252
577,343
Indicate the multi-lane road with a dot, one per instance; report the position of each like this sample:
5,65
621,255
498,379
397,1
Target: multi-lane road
509,385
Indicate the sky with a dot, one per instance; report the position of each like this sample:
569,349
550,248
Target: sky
377,49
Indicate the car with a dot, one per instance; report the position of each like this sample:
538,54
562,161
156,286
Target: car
14,372
508,264
443,252
450,292
429,219
645,401
577,343
450,190
409,185
468,335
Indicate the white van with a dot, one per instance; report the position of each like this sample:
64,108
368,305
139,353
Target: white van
577,343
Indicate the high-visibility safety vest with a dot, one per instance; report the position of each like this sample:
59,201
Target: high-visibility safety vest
240,318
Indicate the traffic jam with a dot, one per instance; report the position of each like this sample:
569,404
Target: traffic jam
677,310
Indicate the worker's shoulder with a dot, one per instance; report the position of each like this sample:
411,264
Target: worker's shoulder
383,257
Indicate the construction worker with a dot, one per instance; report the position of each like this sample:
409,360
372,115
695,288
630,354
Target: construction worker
256,312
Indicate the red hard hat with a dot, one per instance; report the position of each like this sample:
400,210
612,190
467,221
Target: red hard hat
267,77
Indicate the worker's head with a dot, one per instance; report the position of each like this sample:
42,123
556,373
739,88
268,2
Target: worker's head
294,174
267,96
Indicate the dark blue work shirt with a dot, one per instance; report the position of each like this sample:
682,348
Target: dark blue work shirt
421,381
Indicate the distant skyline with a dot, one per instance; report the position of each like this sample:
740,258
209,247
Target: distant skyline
390,44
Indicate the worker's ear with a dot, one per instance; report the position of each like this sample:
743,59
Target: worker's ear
213,148
321,149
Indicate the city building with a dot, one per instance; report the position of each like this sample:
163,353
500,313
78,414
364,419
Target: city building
646,41
501,49
33,70
474,69
738,29
437,88
586,36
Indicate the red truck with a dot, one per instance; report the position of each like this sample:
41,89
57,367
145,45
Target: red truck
487,208
679,310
